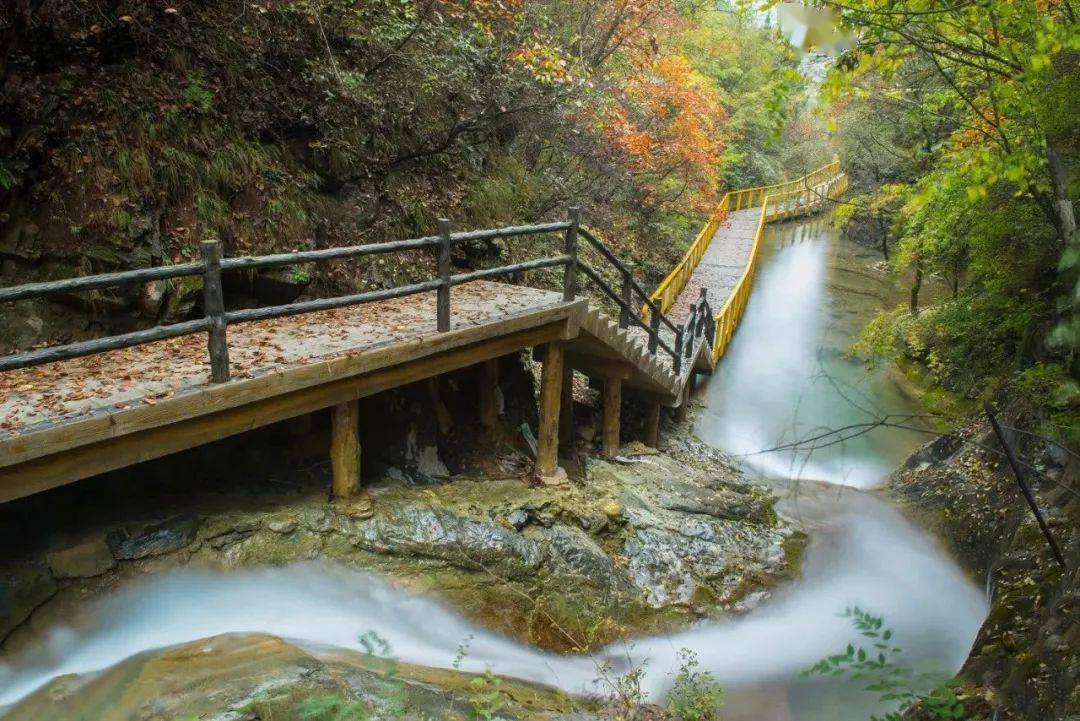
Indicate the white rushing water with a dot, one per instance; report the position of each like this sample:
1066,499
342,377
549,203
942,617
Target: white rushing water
785,377
769,388
869,556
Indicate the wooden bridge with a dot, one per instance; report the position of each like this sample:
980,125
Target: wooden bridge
77,410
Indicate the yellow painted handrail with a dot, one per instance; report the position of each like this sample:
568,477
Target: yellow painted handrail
786,203
672,285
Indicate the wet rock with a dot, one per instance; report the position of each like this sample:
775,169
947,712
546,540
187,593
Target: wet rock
152,539
529,437
233,522
547,520
84,558
228,539
657,563
611,508
437,533
688,498
936,451
574,552
283,526
518,518
751,601
637,448
240,677
23,587
429,464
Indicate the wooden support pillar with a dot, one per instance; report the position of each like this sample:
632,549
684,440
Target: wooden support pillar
489,388
612,413
683,409
566,412
443,417
345,449
651,432
551,377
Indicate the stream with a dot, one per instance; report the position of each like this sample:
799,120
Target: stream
784,377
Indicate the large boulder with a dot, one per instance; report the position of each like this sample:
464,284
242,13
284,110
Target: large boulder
152,538
245,677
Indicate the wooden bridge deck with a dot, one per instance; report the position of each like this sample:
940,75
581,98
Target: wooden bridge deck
67,392
71,419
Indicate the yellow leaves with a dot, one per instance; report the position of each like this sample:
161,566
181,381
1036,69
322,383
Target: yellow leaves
545,62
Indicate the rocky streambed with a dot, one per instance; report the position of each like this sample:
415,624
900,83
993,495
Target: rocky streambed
642,543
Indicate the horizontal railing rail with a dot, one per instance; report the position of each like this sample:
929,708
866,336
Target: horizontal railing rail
216,319
630,297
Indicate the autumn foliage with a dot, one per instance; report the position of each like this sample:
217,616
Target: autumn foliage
667,122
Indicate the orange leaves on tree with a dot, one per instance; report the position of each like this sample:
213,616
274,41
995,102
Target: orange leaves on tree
667,122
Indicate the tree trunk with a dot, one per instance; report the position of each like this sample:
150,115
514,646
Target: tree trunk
1064,218
916,285
883,230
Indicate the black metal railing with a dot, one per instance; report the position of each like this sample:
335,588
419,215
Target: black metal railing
217,319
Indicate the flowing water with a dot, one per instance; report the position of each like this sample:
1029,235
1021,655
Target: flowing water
784,378
789,401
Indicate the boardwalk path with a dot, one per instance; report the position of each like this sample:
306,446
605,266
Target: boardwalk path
722,264
56,393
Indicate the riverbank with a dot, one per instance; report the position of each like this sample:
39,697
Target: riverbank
1025,662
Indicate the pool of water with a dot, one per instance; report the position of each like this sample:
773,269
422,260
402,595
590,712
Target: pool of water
786,378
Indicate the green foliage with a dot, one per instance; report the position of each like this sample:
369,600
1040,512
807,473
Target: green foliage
486,696
695,695
10,171
1066,334
979,136
876,664
196,93
395,697
331,708
1054,389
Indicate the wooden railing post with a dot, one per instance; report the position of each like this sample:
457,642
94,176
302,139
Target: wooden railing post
677,360
443,294
214,302
627,299
570,275
691,327
654,329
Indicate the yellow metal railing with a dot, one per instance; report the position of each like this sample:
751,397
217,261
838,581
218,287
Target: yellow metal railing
774,206
671,286
778,201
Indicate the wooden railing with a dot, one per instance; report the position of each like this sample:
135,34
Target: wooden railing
786,203
216,319
672,285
